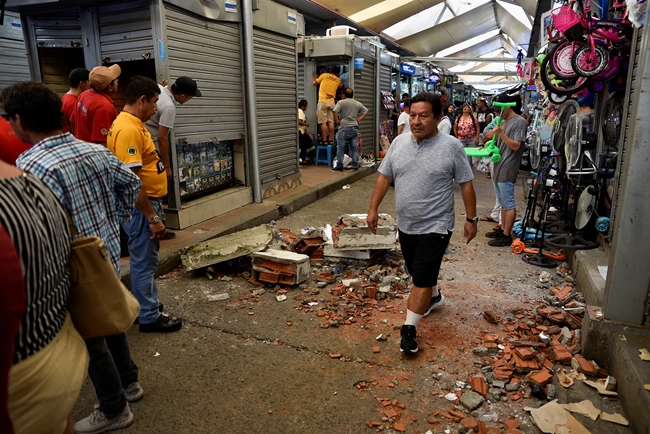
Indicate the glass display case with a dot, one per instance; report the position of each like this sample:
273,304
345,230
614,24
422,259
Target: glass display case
204,167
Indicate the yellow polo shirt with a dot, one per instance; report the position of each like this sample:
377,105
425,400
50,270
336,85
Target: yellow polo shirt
329,84
131,143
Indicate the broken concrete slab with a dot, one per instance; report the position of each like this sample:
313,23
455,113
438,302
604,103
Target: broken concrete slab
614,418
352,233
471,400
280,266
226,248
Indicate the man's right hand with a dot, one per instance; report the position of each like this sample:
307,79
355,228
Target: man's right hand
372,220
158,230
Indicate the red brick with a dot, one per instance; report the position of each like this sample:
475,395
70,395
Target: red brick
397,426
502,373
482,428
479,385
585,365
540,377
511,422
513,431
446,415
390,413
336,356
469,423
431,420
456,413
562,293
525,353
375,349
492,430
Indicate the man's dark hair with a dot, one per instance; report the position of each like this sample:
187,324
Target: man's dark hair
406,95
139,86
407,103
38,106
302,103
78,75
336,70
429,98
349,93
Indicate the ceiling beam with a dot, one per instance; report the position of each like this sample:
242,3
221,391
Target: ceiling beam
489,73
469,59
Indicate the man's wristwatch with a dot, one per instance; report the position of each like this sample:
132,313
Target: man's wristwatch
474,220
155,219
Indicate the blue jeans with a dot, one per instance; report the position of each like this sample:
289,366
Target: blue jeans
347,136
505,194
144,263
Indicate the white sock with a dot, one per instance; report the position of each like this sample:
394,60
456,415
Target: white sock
412,318
435,292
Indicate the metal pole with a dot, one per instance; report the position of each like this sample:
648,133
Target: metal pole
251,104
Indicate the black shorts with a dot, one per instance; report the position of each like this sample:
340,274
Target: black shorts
423,255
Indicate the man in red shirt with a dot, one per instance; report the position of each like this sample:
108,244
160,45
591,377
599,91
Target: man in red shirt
95,110
10,145
79,82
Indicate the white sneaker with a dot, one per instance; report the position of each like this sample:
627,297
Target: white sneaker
98,423
435,303
134,392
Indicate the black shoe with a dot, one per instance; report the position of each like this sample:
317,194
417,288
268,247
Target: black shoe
164,324
408,344
435,303
161,307
496,233
169,235
337,169
503,241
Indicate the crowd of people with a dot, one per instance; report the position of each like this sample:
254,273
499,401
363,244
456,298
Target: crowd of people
76,167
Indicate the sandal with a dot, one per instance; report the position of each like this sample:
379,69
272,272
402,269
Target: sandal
487,218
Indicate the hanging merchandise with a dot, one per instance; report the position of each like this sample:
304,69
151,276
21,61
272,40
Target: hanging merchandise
636,11
204,167
611,122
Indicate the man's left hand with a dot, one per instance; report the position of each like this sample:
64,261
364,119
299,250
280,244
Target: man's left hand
470,231
497,131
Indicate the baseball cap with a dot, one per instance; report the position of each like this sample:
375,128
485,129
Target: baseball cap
503,97
101,76
186,86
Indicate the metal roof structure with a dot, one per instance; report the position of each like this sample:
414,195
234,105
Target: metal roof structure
465,29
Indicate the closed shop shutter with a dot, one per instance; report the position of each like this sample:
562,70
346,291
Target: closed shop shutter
60,28
125,31
366,94
629,114
385,85
13,61
210,53
301,78
277,105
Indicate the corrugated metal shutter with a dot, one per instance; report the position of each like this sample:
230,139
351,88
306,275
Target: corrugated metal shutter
301,78
60,28
125,31
385,85
627,136
365,92
277,106
13,61
210,53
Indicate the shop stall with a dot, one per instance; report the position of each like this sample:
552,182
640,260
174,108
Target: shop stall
13,61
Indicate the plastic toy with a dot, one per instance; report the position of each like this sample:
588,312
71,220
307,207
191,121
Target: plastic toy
490,149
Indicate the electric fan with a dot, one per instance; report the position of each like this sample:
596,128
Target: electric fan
568,109
612,118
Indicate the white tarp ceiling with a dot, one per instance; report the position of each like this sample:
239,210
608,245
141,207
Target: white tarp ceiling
449,28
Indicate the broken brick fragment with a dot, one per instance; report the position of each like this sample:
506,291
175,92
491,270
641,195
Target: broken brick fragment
492,430
446,415
375,349
469,423
456,413
478,385
511,422
502,373
335,356
540,377
525,352
583,365
491,317
397,426
390,413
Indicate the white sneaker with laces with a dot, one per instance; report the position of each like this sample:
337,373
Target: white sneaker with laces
98,423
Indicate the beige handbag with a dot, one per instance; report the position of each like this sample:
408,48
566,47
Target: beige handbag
100,305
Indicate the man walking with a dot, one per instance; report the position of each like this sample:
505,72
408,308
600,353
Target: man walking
95,110
404,121
424,166
510,137
348,112
483,115
79,82
329,83
131,142
98,192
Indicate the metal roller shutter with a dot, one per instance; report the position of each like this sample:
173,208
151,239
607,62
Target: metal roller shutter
365,92
125,31
14,65
210,53
61,28
277,106
629,113
301,78
385,85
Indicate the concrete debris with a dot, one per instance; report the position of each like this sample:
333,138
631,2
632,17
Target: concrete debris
647,387
451,397
600,387
259,292
218,297
352,233
281,267
281,297
471,400
227,247
644,354
544,277
348,282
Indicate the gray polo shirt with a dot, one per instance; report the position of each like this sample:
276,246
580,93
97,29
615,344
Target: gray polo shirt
424,178
348,110
165,113
507,169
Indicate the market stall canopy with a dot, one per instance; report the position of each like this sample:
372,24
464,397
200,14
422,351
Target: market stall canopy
449,28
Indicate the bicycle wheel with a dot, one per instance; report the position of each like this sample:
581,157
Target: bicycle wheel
558,86
561,56
588,64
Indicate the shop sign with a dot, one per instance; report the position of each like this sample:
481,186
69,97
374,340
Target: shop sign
358,62
434,78
407,69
